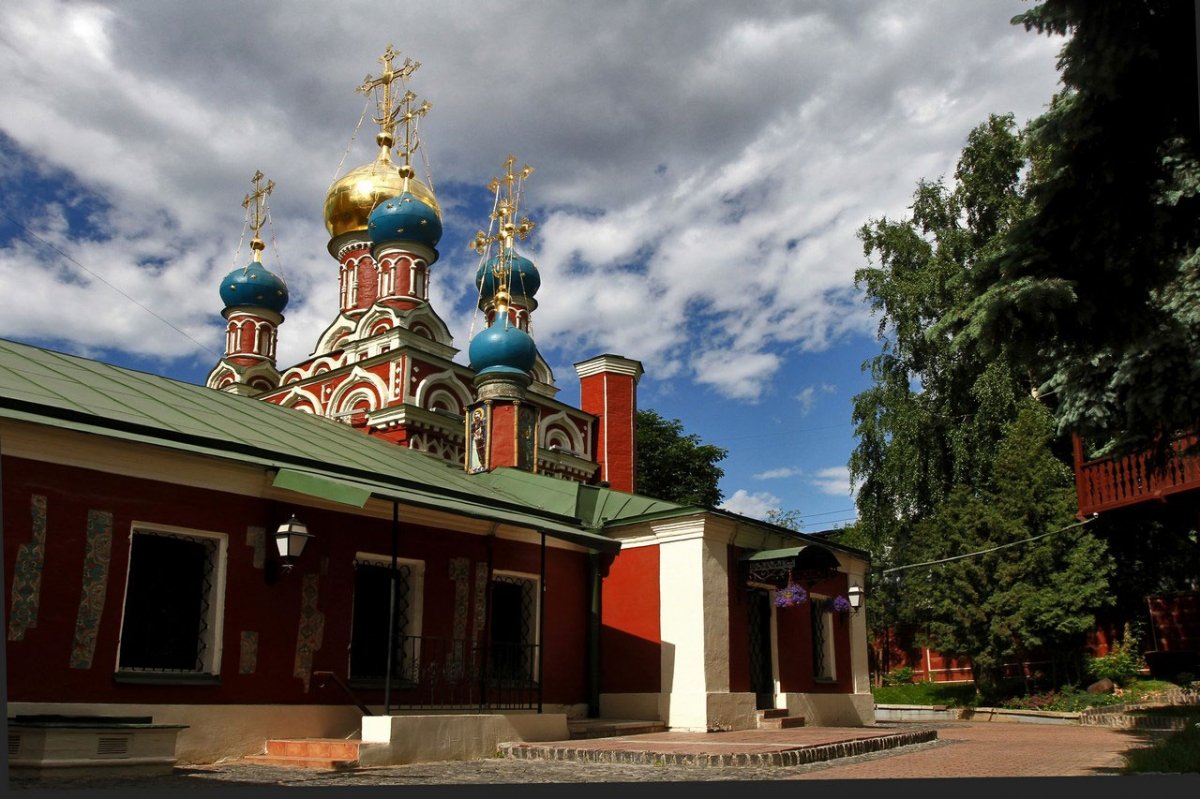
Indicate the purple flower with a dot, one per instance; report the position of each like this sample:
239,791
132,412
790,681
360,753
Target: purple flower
841,604
790,595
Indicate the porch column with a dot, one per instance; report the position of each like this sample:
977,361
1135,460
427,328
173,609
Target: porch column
693,584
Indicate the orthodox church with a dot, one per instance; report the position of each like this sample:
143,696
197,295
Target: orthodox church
385,363
379,539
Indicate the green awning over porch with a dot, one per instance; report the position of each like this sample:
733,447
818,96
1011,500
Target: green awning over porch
810,562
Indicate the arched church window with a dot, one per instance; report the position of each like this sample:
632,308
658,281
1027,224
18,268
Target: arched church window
417,278
262,339
350,284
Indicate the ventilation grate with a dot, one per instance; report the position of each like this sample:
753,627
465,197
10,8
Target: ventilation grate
113,745
14,744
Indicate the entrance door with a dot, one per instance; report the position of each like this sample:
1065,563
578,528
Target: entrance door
762,680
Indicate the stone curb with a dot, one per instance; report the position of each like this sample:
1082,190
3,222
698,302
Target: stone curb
788,757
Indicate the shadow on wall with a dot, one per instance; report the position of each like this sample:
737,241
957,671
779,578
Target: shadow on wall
631,664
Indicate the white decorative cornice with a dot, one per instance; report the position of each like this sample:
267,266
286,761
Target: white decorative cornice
610,364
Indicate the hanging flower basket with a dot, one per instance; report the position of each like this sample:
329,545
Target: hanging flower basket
841,604
790,595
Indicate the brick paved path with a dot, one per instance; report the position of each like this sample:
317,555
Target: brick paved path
994,749
962,749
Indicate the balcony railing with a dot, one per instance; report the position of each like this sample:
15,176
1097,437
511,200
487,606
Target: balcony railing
1109,483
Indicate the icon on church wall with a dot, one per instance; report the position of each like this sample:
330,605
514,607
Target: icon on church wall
478,440
527,417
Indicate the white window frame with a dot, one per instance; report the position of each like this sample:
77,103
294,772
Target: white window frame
214,637
416,602
776,686
537,612
829,660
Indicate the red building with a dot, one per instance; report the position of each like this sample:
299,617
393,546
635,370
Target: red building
476,548
1109,484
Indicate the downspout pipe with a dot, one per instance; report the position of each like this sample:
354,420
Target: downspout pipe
593,649
391,636
542,627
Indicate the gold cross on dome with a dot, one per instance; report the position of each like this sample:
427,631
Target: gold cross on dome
381,85
508,202
256,208
410,142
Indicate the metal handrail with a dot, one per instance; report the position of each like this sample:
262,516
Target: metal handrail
322,675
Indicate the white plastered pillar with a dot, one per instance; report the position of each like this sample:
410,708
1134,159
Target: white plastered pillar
694,617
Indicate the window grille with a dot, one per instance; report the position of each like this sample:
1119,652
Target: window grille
820,663
369,636
168,603
513,628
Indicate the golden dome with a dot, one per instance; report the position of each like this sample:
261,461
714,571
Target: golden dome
353,195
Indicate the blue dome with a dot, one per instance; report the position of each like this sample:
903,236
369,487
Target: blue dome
404,218
502,348
254,286
524,280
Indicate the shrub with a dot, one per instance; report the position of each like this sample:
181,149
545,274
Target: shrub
1121,664
1068,699
902,675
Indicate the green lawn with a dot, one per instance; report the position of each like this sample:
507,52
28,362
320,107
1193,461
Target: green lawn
1177,754
1064,699
926,693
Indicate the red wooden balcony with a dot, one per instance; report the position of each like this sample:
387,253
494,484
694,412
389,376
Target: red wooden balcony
1109,483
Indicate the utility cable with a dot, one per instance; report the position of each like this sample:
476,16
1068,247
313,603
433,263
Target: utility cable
166,322
992,549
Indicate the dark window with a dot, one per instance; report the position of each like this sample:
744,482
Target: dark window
167,603
821,660
369,635
762,679
511,652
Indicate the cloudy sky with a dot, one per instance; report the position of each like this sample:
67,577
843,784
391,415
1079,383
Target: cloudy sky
701,169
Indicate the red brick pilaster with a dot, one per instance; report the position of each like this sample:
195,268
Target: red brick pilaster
608,390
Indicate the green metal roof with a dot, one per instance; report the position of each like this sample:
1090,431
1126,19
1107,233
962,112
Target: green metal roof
593,505
47,387
312,454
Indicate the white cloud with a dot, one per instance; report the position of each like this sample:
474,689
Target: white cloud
808,396
699,181
755,505
834,480
776,474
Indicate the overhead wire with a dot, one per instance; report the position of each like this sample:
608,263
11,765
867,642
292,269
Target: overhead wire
100,277
1090,519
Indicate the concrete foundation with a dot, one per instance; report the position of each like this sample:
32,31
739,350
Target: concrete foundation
396,740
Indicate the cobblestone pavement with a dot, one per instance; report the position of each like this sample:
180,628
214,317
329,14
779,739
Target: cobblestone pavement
963,749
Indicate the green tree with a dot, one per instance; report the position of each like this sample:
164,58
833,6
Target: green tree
674,465
1096,289
791,519
933,414
1033,587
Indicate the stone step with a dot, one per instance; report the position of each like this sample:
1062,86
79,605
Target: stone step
286,761
332,748
781,722
315,753
585,729
771,713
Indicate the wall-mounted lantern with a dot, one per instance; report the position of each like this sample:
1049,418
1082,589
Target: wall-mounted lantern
855,595
290,540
